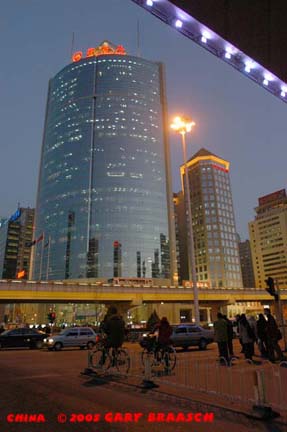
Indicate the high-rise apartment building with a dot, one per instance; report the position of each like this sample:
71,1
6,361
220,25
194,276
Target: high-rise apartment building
268,238
215,241
246,264
104,196
15,244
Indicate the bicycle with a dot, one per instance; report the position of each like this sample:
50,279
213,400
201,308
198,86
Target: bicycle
104,358
165,356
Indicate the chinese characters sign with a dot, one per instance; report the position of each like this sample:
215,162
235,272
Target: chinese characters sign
104,49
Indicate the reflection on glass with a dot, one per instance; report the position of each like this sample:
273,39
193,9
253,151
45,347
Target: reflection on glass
102,190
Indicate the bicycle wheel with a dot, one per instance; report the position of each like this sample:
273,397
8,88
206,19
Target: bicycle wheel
169,358
122,361
100,359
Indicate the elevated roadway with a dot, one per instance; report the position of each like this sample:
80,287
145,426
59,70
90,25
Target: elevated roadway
13,291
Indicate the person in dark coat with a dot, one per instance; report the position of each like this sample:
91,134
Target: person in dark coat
164,332
262,335
114,327
247,336
221,336
230,336
272,332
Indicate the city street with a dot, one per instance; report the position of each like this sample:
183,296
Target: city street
50,384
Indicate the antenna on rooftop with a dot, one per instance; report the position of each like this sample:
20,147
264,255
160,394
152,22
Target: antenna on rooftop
72,45
138,38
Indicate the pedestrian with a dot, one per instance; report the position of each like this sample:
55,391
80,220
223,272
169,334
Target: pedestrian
253,325
238,317
221,336
262,335
273,335
247,336
229,336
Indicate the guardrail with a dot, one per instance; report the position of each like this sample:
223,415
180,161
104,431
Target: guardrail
242,387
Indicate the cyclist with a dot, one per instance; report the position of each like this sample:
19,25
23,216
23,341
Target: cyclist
164,331
114,327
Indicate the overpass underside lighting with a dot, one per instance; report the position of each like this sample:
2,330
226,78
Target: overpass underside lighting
200,34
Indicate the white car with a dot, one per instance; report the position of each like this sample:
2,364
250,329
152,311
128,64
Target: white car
83,337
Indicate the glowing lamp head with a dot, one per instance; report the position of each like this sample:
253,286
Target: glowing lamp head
205,36
182,124
178,23
149,2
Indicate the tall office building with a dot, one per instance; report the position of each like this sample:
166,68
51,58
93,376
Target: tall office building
246,264
268,238
15,244
104,200
215,241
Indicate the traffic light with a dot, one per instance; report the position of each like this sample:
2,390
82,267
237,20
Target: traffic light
51,317
271,287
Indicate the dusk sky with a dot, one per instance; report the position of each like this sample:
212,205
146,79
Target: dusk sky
235,118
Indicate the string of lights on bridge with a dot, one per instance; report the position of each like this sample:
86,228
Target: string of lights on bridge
211,41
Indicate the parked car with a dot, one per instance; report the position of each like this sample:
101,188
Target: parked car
186,335
22,337
83,337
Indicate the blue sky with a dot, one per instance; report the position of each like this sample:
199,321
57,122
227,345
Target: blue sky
236,119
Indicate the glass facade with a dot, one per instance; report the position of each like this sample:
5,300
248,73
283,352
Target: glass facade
102,202
215,238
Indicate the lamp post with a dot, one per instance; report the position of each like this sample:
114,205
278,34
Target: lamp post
182,125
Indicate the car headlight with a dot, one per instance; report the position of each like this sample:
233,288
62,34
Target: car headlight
45,340
50,341
145,334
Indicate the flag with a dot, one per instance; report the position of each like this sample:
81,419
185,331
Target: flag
40,238
30,244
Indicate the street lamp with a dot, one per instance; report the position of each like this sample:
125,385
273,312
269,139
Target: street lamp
182,125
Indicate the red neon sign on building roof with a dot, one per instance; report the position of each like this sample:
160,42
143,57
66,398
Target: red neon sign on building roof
104,49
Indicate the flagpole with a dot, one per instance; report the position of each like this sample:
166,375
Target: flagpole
41,261
32,258
48,258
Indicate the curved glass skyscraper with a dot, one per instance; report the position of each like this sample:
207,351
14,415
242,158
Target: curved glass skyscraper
104,197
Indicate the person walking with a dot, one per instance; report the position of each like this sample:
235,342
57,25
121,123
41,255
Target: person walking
221,336
252,322
229,336
238,317
247,336
262,335
272,337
